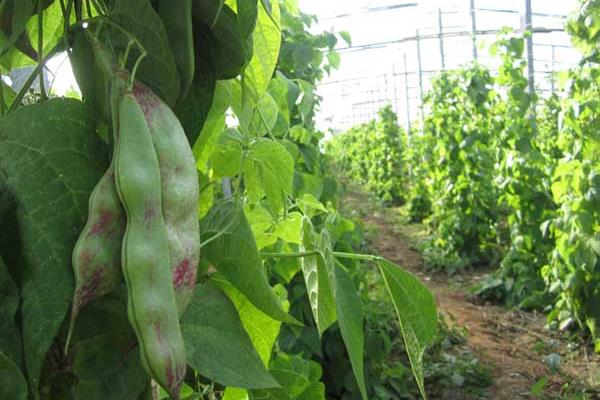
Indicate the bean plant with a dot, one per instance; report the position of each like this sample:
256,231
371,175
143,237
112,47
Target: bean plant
152,222
513,180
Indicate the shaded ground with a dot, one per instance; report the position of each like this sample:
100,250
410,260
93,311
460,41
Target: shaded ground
513,343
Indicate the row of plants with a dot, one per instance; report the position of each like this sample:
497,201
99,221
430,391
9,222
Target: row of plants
503,179
372,154
232,83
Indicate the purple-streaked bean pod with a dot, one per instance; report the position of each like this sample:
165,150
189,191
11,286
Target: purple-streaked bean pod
180,191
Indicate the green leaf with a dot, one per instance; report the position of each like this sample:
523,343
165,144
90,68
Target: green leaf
334,59
10,340
279,88
226,160
90,79
317,278
346,37
106,357
350,319
14,13
193,110
221,37
207,194
269,170
12,382
262,329
24,51
51,159
261,222
233,252
213,127
158,69
417,314
264,116
306,104
290,228
247,12
298,377
217,345
267,41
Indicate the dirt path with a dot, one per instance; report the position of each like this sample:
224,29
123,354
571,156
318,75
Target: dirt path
501,338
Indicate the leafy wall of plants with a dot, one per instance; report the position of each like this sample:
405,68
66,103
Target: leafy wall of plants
500,185
373,154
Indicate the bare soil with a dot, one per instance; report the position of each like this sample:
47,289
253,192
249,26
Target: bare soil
501,338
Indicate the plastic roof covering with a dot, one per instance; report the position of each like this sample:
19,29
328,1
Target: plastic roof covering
372,71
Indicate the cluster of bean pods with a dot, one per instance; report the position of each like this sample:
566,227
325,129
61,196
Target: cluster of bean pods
143,229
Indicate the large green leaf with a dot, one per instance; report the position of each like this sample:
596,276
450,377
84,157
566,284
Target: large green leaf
269,170
247,11
213,126
51,158
193,110
90,79
350,319
262,329
221,37
13,385
299,379
267,41
317,278
231,249
105,354
10,340
416,311
158,69
227,158
264,116
217,345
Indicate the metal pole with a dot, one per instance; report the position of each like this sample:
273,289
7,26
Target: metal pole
553,67
441,33
527,26
473,28
406,94
420,80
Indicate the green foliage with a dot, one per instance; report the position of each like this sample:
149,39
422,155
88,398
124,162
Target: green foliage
572,273
267,208
372,154
460,129
523,181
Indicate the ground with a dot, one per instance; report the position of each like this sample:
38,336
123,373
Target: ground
514,344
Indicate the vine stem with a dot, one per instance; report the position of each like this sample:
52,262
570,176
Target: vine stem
41,61
290,255
338,254
19,97
2,104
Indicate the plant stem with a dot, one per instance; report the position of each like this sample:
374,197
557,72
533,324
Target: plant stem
19,97
41,60
264,121
2,105
366,257
290,255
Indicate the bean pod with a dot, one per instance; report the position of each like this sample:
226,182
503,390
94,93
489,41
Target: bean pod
97,253
151,305
180,191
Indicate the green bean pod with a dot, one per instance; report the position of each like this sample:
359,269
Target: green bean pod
151,306
180,191
97,253
177,18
